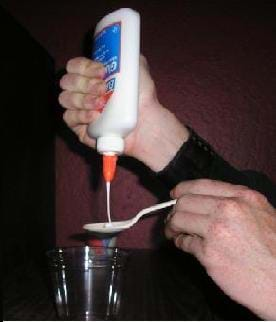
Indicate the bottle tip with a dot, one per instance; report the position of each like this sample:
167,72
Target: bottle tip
109,167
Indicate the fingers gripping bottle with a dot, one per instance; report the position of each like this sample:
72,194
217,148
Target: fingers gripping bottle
117,47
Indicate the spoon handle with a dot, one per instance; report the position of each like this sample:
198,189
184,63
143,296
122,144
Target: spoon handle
154,208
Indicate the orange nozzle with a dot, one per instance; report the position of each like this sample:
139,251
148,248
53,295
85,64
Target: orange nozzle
109,167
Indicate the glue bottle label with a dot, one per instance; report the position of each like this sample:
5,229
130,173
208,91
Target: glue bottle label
107,48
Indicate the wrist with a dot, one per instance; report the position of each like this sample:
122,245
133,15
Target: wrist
193,160
265,305
167,135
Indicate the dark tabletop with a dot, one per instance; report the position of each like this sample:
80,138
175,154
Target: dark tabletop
163,284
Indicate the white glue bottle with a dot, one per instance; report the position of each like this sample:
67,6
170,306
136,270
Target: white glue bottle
117,47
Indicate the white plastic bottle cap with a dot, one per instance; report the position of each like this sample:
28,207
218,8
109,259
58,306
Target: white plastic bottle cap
107,144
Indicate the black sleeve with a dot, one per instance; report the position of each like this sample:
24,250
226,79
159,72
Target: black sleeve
196,159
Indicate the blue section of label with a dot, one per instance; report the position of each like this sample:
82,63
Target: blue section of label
107,48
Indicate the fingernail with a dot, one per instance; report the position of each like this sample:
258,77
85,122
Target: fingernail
62,82
172,193
168,217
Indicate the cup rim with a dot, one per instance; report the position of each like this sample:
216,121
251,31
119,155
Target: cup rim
51,253
67,248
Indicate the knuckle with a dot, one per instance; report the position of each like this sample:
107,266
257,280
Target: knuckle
77,63
253,196
84,66
76,100
72,61
200,183
229,207
203,182
95,64
82,83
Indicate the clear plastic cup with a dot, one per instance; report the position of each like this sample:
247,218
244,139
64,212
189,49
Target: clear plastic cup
87,282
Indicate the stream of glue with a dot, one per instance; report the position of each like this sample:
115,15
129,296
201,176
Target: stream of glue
108,201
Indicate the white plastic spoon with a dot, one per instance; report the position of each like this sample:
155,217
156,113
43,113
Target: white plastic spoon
117,226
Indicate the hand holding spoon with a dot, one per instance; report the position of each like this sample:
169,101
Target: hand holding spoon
117,226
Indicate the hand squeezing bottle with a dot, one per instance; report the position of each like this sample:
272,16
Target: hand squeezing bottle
117,47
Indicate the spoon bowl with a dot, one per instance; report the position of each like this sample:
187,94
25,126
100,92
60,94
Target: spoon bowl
117,226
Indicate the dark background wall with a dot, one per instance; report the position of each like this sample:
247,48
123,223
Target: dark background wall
28,135
214,63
